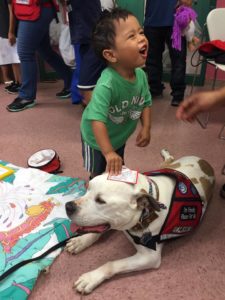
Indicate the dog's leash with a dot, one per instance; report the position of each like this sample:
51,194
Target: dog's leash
24,262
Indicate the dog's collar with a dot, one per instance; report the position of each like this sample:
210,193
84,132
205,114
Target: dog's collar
146,240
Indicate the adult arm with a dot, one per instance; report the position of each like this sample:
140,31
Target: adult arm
200,102
186,2
12,21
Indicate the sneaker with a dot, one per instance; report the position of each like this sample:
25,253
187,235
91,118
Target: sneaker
176,102
20,104
9,85
157,95
222,192
64,94
14,89
8,82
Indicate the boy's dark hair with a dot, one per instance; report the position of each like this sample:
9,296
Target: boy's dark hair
103,36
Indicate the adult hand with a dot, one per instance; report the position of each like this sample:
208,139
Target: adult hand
143,137
11,38
185,2
114,163
196,103
63,2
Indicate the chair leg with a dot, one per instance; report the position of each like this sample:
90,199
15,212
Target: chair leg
203,38
221,136
223,170
204,123
195,76
214,78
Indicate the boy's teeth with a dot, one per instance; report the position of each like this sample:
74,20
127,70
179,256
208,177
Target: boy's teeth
142,50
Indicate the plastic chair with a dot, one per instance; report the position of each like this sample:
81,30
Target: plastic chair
215,23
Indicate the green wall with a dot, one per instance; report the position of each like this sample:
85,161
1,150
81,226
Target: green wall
135,6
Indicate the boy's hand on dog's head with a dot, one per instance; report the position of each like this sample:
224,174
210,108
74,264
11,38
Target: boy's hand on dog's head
114,163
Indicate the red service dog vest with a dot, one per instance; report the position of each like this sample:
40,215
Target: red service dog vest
186,207
184,214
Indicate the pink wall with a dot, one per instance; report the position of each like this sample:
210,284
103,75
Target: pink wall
210,69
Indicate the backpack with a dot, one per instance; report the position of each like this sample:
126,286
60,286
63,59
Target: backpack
29,10
213,50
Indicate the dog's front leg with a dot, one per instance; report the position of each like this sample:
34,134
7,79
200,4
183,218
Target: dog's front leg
78,244
143,259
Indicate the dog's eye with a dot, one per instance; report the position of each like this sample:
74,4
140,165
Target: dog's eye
99,200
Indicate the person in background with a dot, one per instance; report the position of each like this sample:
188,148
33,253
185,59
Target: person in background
108,4
8,49
34,36
185,19
158,27
5,72
83,15
201,102
121,97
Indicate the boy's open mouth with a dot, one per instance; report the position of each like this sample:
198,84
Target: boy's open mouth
144,51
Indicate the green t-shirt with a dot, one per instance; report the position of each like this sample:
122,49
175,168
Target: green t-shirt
118,103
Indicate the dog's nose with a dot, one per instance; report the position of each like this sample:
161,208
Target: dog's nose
70,208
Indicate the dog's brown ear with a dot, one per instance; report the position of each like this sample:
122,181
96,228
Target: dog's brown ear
146,201
148,205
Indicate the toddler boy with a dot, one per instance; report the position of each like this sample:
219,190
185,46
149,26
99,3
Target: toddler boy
121,96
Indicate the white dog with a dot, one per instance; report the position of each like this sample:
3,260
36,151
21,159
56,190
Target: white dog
159,206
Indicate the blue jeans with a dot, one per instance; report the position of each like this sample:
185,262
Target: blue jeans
76,96
34,36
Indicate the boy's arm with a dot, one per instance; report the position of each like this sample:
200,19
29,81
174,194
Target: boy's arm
144,136
11,33
113,160
101,136
146,118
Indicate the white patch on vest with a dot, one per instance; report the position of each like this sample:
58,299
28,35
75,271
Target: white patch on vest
181,229
25,2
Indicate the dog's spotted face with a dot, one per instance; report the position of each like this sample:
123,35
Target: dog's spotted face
113,204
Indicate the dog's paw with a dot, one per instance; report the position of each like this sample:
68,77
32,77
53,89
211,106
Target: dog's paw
88,282
167,156
78,244
75,245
